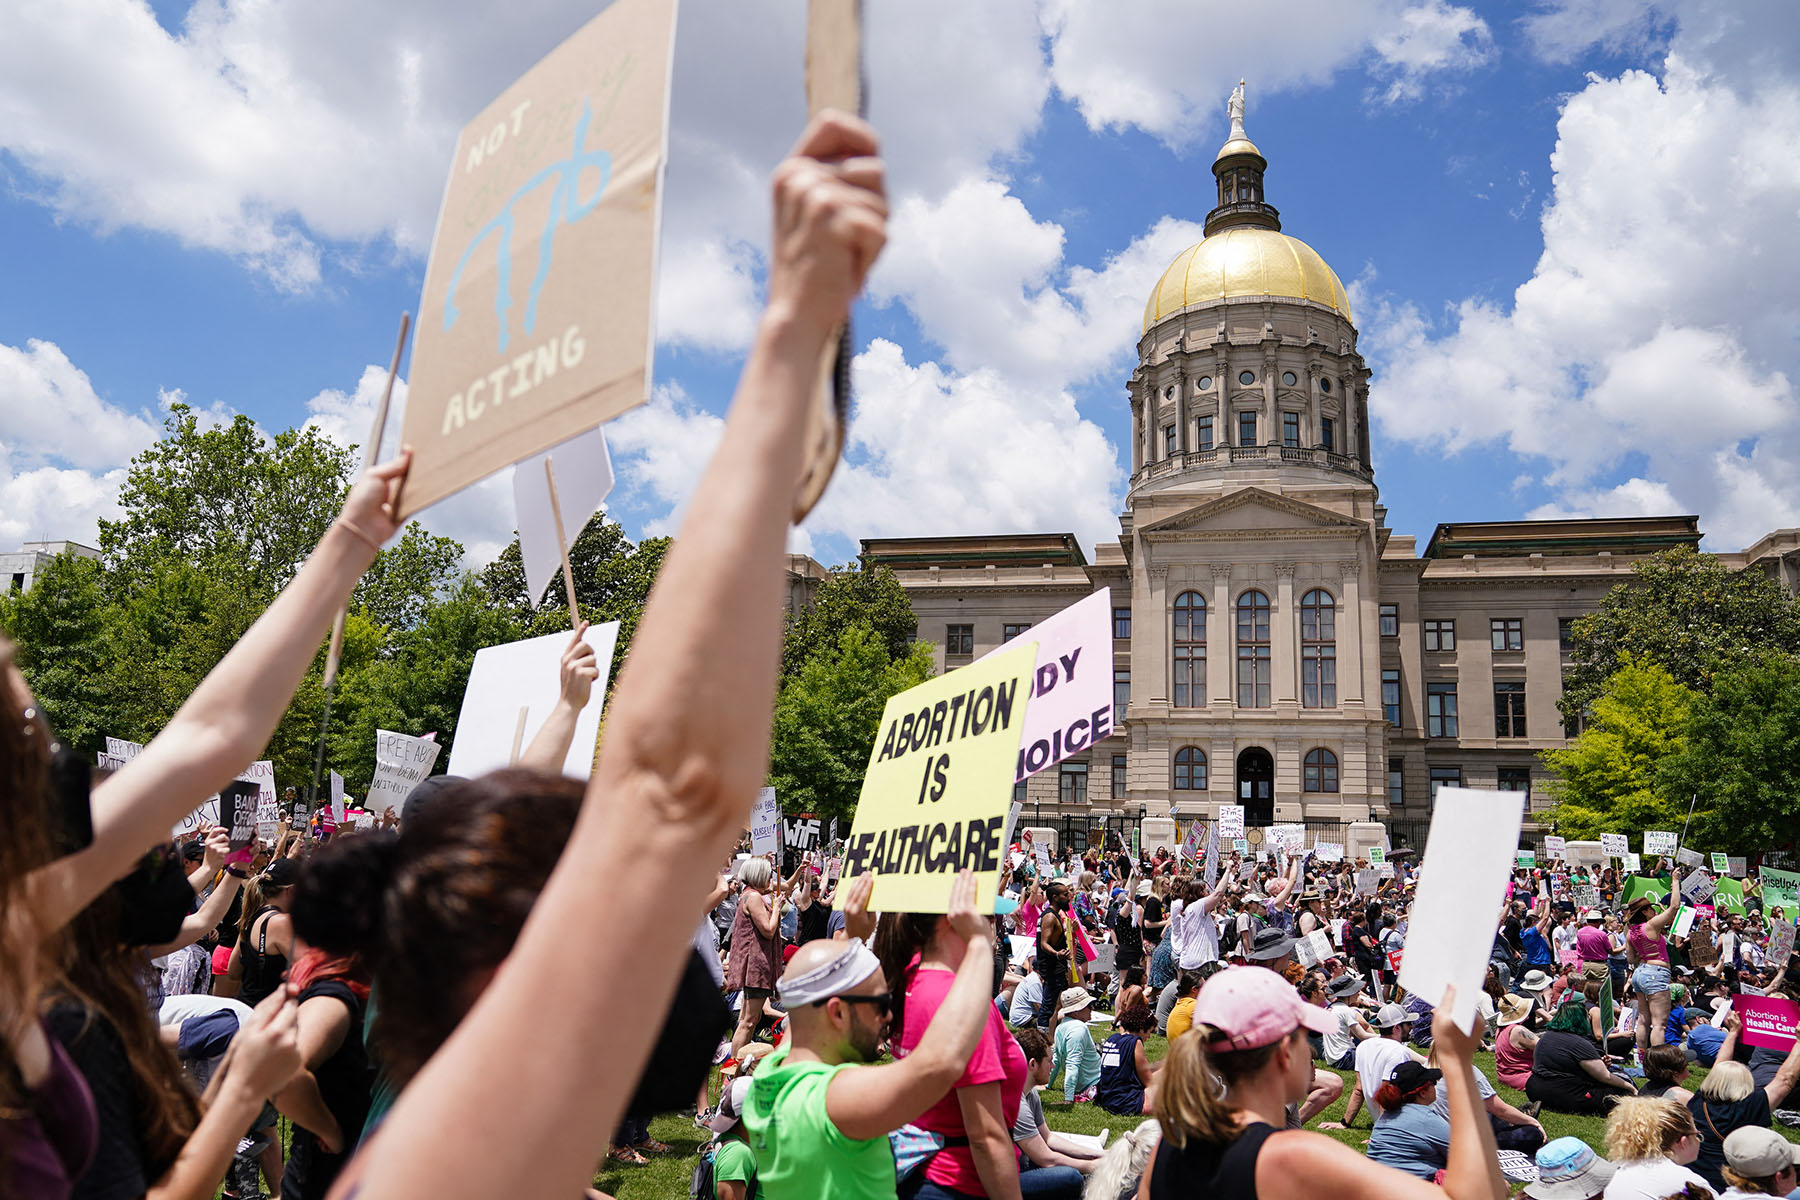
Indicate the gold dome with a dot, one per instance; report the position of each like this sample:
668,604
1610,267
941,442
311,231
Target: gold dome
1245,262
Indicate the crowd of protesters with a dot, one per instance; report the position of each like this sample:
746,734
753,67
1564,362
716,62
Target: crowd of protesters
494,993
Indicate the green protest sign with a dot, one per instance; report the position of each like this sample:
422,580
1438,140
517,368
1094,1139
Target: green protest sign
1780,887
1638,885
1728,896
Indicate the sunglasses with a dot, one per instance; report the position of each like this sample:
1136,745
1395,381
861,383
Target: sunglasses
884,1003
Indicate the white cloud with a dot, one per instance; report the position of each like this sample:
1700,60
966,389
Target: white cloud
659,450
1655,337
1165,66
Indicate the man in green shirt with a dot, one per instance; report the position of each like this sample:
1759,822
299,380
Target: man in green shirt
817,1116
734,1167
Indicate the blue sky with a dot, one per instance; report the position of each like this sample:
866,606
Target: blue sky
1568,230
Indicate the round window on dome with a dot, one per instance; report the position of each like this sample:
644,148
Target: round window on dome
1287,377
1205,383
1247,378
1324,385
1169,392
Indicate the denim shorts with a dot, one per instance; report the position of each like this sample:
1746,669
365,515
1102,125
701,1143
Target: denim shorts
1651,978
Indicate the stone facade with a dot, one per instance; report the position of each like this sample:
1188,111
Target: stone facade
1276,644
19,569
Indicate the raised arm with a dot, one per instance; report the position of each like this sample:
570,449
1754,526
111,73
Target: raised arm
873,1101
1662,920
229,718
686,749
550,748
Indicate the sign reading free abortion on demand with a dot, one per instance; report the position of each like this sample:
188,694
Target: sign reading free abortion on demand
1071,689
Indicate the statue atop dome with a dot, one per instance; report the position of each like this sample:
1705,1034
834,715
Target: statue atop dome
1234,108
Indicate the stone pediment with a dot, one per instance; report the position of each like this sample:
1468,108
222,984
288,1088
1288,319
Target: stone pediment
1252,510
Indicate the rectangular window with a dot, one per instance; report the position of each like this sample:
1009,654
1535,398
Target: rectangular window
1290,429
1390,697
1507,633
1168,441
1206,433
1509,710
1121,696
1441,776
1074,783
1390,620
1246,429
1396,782
1009,632
959,639
18,581
1440,710
1121,621
1440,635
1565,633
1327,435
1019,791
1515,779
1118,777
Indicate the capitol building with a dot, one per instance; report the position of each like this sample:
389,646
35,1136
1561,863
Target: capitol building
1275,643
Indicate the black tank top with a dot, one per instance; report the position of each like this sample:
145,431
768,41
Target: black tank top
262,971
1203,1169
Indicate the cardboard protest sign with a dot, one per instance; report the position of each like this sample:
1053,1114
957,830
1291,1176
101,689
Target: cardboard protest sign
1458,903
1329,851
1313,949
584,476
1212,857
1231,821
1780,887
243,802
535,323
1690,858
1527,858
1385,871
1615,845
337,798
1639,885
1240,846
1291,838
765,823
1659,841
1769,1021
937,788
1737,866
1554,846
268,816
513,688
401,764
1697,888
1781,943
800,832
1377,856
1587,896
1071,688
1721,865
1366,883
1684,921
1195,840
1633,862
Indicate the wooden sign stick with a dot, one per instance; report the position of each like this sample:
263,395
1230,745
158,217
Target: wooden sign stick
518,736
562,544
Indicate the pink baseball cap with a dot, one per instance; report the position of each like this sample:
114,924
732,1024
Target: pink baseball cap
1253,1006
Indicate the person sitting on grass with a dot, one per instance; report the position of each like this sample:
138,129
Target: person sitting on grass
1409,1134
1651,1143
1027,998
1568,1072
1568,1169
1055,1165
1175,1019
1759,1162
1075,1056
1665,1070
1125,1071
733,1165
1375,1060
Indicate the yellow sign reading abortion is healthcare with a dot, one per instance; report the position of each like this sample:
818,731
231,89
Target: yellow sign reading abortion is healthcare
935,797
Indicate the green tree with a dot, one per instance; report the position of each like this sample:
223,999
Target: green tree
1741,757
60,627
243,506
1687,612
407,577
852,596
1609,779
828,714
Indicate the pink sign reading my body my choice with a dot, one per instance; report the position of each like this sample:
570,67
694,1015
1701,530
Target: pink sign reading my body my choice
1072,689
1769,1021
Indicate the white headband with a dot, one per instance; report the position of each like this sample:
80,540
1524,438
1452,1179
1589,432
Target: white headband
830,978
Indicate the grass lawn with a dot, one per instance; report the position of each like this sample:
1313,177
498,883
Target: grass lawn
667,1177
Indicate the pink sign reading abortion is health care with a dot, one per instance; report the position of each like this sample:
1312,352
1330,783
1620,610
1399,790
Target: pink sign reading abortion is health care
1769,1021
1072,689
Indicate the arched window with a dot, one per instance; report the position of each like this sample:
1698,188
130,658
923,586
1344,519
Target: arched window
1190,650
1253,650
1190,769
1321,772
1318,650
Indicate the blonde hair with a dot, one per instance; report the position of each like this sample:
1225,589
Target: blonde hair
1123,1163
1643,1127
1728,1082
1192,1101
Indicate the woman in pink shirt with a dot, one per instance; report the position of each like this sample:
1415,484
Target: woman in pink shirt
1648,948
1514,1044
1592,945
